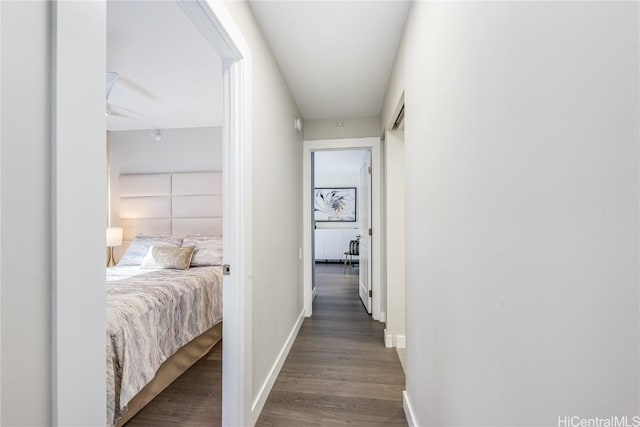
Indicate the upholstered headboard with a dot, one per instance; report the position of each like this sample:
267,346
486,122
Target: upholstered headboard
170,204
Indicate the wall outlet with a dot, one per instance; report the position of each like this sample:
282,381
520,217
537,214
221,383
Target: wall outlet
300,254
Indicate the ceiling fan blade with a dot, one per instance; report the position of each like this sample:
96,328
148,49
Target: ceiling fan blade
115,114
118,111
134,87
112,78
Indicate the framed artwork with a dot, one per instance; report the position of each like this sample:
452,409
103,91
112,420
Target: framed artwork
335,204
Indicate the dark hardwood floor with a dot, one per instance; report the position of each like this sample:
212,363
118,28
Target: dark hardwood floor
338,372
193,400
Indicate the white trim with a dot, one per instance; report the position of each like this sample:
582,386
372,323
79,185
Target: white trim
78,210
217,26
409,414
383,317
374,144
263,394
314,293
397,341
388,339
237,297
0,209
307,232
213,20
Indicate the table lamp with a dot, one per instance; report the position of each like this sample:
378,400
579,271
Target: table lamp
114,238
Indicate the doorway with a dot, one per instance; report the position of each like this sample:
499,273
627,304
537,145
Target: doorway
164,104
395,331
374,276
342,217
78,384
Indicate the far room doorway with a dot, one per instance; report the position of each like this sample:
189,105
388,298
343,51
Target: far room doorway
342,219
374,146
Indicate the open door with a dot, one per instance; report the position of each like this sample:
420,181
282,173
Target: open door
365,231
313,221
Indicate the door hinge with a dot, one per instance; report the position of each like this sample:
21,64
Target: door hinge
369,169
226,270
370,232
370,293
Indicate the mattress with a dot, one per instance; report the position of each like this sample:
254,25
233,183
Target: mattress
150,315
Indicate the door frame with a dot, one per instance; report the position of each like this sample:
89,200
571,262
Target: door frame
374,144
364,257
78,209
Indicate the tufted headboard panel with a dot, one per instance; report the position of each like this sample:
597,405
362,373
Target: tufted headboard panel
170,204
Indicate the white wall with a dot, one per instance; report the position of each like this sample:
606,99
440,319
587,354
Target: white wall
351,128
522,172
37,280
338,169
338,179
180,150
139,152
277,209
25,336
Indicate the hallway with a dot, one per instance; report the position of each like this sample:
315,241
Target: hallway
338,370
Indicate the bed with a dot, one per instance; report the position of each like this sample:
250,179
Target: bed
164,298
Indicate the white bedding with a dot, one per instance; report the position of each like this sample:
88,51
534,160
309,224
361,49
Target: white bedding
150,315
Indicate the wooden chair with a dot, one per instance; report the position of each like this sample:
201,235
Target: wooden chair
354,250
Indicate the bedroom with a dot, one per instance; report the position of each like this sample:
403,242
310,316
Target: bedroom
164,185
75,387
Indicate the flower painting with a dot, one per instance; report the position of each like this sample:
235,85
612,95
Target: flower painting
335,204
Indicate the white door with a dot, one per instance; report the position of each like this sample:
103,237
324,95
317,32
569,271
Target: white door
314,249
364,206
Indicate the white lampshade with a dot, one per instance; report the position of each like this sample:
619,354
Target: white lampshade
114,236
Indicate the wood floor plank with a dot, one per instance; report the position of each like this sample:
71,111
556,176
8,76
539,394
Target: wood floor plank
308,407
193,400
338,372
338,388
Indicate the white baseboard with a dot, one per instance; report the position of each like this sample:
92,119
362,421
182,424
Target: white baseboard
313,293
261,397
401,341
388,339
383,317
398,341
408,410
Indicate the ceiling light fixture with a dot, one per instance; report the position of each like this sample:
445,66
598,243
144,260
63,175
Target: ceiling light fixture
340,125
157,135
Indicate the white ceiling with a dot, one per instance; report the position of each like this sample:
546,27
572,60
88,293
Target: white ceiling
169,74
336,56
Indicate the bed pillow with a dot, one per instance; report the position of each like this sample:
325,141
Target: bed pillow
140,245
168,257
208,250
